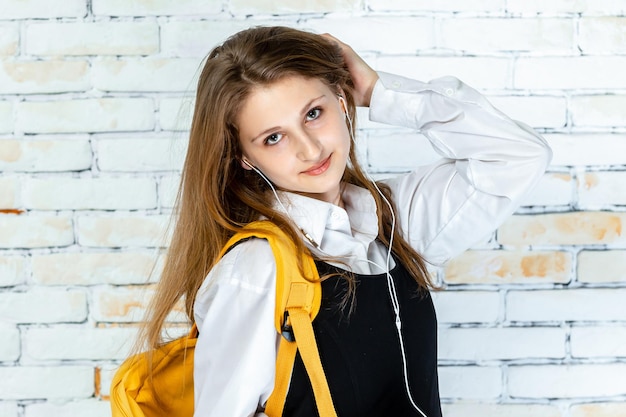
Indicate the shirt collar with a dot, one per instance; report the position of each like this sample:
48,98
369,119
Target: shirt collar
320,219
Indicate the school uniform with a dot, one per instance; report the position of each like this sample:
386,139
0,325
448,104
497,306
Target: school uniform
488,163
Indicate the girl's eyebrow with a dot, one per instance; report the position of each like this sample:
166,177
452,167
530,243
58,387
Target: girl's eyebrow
305,109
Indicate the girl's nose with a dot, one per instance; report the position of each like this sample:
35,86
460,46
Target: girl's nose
309,147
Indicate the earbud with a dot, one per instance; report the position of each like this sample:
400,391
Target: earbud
343,104
345,109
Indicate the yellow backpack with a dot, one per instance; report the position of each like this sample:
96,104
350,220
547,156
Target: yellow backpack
134,393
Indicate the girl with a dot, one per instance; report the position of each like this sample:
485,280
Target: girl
272,137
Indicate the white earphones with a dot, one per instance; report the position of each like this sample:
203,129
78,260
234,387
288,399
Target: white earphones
391,286
343,104
345,108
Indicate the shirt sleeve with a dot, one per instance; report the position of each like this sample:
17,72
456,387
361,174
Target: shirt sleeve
489,162
235,355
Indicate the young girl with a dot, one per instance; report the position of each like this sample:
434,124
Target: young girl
272,138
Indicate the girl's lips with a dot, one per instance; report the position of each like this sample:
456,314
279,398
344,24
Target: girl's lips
320,168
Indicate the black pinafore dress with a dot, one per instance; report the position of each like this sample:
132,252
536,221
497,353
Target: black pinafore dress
360,352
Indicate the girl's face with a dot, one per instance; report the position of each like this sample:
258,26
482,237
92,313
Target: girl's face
294,131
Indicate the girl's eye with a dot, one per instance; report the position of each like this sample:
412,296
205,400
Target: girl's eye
313,114
273,139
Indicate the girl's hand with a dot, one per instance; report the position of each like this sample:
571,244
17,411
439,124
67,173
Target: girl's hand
363,76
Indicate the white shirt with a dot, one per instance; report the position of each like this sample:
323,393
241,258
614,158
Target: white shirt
489,162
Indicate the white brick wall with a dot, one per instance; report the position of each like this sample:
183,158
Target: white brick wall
51,382
95,100
41,9
44,305
567,381
88,407
45,154
49,344
92,38
85,115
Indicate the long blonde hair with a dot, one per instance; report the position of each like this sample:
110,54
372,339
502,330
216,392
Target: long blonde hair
217,197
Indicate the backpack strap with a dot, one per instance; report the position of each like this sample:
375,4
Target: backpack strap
298,300
305,342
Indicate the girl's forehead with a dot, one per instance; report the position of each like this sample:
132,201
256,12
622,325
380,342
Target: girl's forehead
271,102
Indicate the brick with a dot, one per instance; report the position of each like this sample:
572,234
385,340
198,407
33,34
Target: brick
506,267
106,372
155,8
8,190
555,73
86,115
122,231
616,409
599,110
90,407
94,38
598,342
588,149
145,74
602,266
8,409
599,189
35,77
467,306
554,189
176,113
168,189
126,305
50,382
6,117
141,155
475,35
417,33
463,409
41,9
536,111
9,344
45,155
197,38
399,152
12,270
575,228
53,343
89,193
480,344
479,72
463,381
276,7
43,306
566,7
567,381
566,305
35,231
602,35
437,6
9,39
117,268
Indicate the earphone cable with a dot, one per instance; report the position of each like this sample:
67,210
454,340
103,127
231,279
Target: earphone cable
391,287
